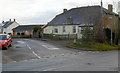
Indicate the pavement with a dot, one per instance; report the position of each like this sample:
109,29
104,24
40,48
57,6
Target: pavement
39,55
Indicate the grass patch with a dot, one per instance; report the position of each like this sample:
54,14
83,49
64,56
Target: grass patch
94,46
103,47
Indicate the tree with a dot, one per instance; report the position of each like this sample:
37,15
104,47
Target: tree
37,32
37,28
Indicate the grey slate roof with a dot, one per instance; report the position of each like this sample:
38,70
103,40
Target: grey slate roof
25,27
7,24
82,15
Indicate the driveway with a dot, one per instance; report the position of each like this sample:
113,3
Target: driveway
38,55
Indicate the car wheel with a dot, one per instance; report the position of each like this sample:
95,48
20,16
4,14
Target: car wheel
10,45
4,48
7,47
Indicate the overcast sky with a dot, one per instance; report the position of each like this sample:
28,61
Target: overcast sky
41,11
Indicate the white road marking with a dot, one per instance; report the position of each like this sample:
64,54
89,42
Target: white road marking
36,55
62,54
33,52
53,68
29,47
45,46
21,42
54,48
50,48
13,61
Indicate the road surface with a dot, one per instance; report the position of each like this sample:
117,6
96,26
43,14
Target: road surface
37,55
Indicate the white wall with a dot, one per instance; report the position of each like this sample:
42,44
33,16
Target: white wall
9,28
69,29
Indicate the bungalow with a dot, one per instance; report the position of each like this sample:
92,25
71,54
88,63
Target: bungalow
72,22
8,26
26,31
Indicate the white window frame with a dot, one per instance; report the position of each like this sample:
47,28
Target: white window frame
74,29
64,29
55,29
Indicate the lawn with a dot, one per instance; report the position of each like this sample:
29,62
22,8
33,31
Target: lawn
94,46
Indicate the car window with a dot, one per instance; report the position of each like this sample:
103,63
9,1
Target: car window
8,36
3,37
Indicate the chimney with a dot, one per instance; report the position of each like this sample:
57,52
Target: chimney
14,20
64,10
3,22
9,19
110,7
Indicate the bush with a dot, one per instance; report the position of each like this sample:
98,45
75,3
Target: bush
87,34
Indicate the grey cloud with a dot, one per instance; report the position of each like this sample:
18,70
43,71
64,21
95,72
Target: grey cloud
41,18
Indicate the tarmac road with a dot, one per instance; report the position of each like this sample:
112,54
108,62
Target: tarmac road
36,55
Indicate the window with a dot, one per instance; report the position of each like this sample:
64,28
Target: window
56,29
22,34
82,28
64,29
69,20
18,33
74,29
86,28
3,37
26,32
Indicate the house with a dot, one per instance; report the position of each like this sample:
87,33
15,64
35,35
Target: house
8,26
72,22
26,31
1,28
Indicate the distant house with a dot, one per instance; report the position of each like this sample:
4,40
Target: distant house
1,30
72,22
8,26
26,31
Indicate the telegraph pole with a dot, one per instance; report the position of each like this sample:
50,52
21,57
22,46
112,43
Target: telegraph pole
111,32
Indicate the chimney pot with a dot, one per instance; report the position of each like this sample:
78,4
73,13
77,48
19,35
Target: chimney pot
14,20
64,10
3,22
9,19
110,7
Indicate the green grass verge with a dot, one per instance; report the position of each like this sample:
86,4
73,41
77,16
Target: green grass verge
94,46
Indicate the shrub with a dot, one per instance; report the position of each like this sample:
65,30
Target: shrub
87,34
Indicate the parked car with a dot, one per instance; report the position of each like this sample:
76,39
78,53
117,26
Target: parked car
5,41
